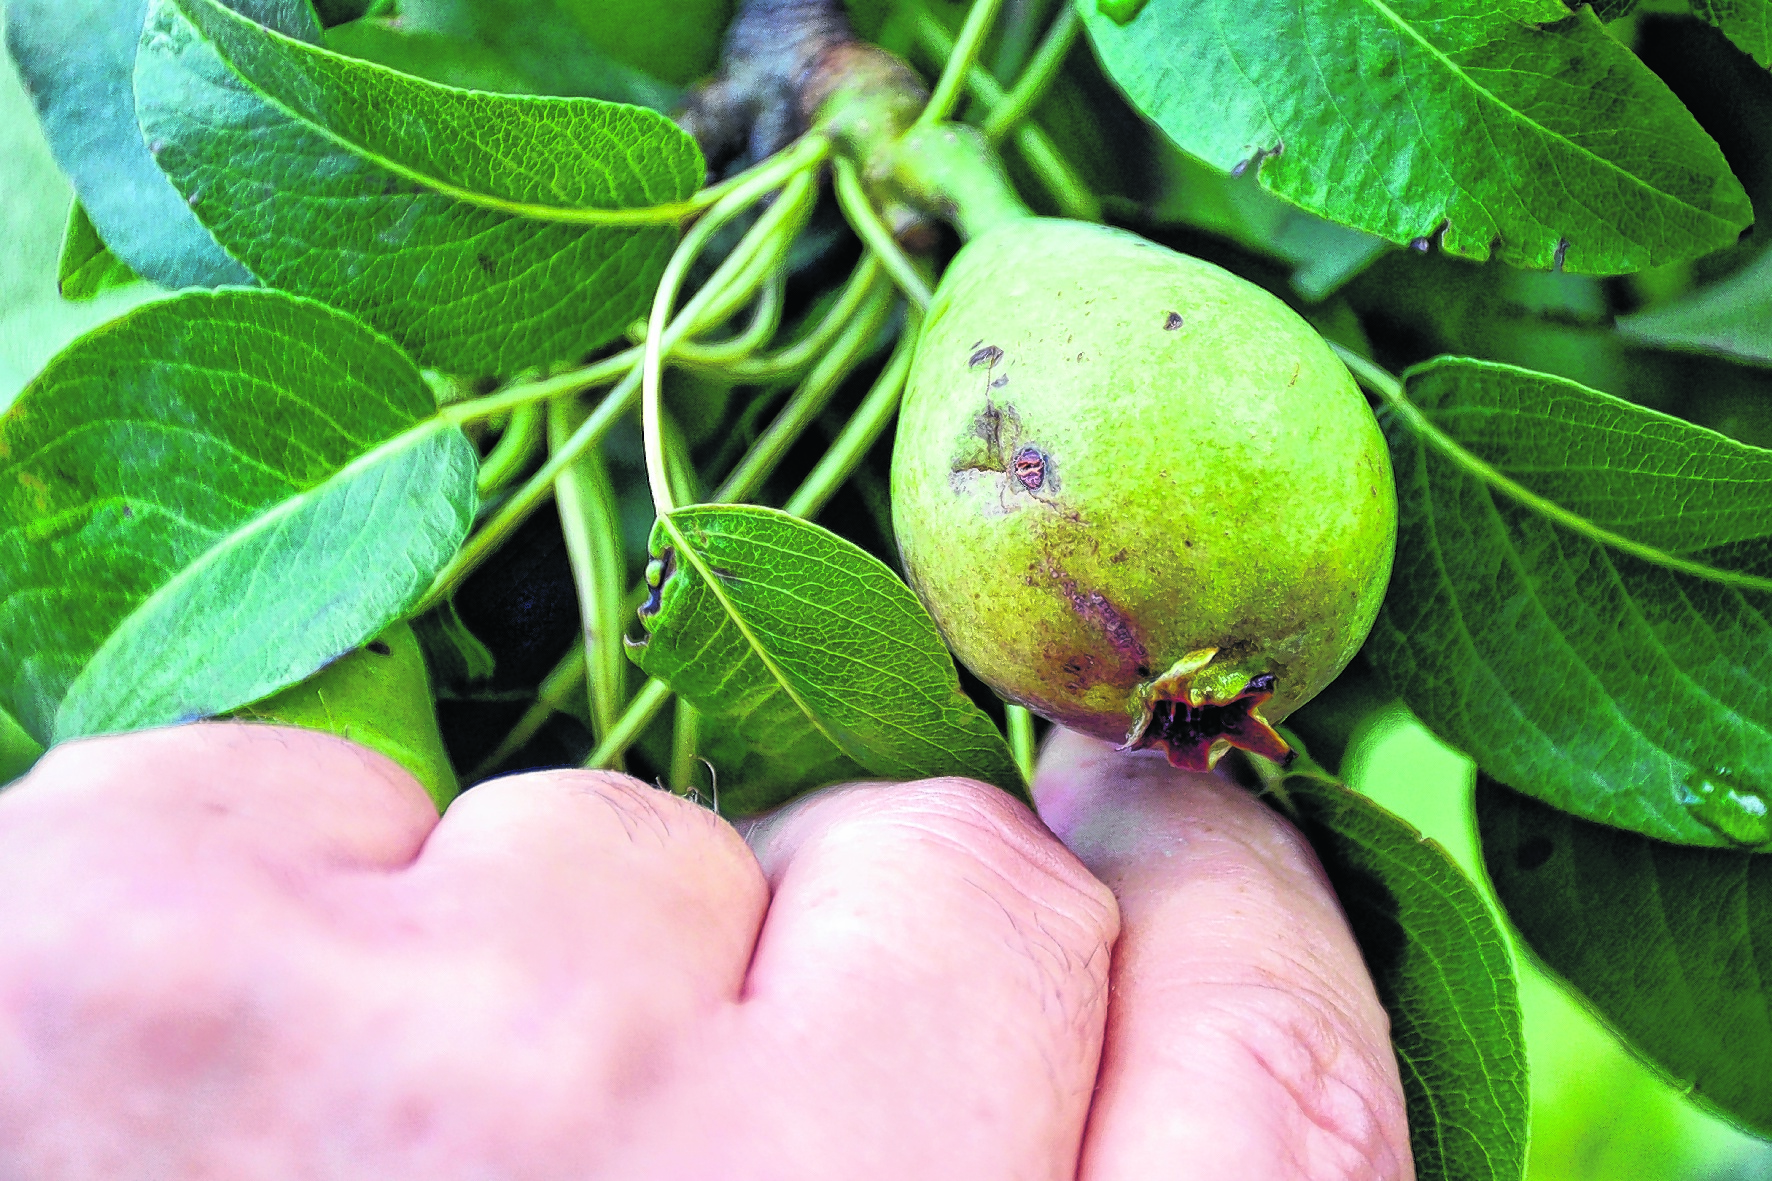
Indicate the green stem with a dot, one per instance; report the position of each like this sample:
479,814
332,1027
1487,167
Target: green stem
807,401
865,220
515,446
796,172
949,167
1021,739
863,429
1031,87
1068,190
953,75
591,525
556,689
685,745
633,722
575,381
765,320
721,286
797,356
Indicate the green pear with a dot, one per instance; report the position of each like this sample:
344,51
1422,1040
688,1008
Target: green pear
1139,495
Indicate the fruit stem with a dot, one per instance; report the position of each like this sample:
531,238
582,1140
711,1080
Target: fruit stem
1021,739
952,171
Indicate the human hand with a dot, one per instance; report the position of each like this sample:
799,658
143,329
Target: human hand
252,952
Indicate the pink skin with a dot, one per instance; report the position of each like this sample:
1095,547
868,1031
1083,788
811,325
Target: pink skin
249,952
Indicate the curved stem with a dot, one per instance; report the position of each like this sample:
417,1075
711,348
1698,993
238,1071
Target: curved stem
863,429
795,357
765,320
796,173
865,220
515,445
953,75
1031,87
591,525
806,401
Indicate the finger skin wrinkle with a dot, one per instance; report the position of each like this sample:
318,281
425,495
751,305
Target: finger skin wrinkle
1305,1076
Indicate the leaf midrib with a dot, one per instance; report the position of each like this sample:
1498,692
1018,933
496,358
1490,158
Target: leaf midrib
1480,469
670,213
775,670
283,509
1520,116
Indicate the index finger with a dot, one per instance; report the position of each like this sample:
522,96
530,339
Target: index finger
1244,1036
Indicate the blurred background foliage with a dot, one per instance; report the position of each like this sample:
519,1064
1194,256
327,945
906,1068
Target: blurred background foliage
1693,340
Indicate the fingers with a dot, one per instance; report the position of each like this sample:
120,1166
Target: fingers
1245,1038
615,880
216,789
934,963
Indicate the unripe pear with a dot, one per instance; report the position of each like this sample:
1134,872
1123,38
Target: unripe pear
1139,495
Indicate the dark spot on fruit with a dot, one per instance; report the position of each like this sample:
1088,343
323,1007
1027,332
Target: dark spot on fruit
1297,367
1144,670
128,512
1094,607
1173,322
379,647
1120,556
1533,854
1187,543
988,356
1030,468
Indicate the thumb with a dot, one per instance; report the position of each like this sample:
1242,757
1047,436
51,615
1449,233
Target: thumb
1244,1036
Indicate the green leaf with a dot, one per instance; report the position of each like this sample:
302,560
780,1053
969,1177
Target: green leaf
18,750
810,655
1731,319
1515,127
1671,946
483,232
1582,599
77,58
209,499
1324,255
533,45
378,696
87,266
678,42
1442,969
1748,23
35,322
